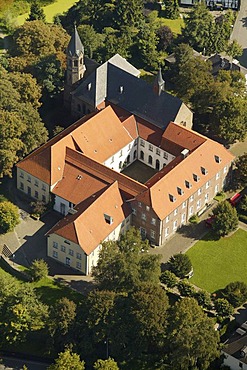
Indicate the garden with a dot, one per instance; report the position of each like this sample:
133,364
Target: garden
224,261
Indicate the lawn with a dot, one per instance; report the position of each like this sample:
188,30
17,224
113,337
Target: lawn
219,262
174,24
59,7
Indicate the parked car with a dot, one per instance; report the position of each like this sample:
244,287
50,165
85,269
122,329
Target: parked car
235,199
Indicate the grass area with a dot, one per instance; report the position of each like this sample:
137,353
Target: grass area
174,24
59,7
220,197
219,262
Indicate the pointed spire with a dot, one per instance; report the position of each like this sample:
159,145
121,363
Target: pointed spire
159,83
75,47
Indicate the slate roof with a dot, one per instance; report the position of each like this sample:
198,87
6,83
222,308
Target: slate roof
75,47
235,344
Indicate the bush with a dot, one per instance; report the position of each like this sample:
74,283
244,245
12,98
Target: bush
38,270
180,265
169,278
186,289
226,219
9,216
203,298
194,219
236,293
223,307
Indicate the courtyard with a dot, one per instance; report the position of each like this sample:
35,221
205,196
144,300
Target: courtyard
139,171
224,260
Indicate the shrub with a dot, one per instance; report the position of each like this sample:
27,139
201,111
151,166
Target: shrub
236,293
186,289
226,219
169,278
203,298
38,270
180,265
194,219
223,307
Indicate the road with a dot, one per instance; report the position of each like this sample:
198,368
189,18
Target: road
240,31
8,363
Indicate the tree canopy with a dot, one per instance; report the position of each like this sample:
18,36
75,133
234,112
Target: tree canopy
108,364
241,169
225,218
9,216
125,263
236,293
67,360
180,264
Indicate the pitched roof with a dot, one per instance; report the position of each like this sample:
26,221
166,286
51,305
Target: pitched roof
169,180
88,227
75,47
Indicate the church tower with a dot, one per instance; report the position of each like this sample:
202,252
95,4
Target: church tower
75,66
159,83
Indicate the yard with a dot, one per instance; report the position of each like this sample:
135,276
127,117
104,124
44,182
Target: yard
219,262
59,7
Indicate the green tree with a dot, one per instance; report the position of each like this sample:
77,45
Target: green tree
129,13
9,216
67,360
36,13
180,264
234,50
169,278
226,219
185,288
165,37
108,364
91,40
203,298
62,317
223,307
171,9
191,339
241,169
125,263
27,87
38,270
236,293
199,27
243,204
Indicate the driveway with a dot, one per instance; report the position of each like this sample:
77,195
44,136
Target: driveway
240,31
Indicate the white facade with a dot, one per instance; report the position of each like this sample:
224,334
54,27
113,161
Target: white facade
152,155
62,205
234,363
32,186
123,158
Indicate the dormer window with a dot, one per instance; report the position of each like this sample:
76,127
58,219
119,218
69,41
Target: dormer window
196,177
217,159
89,85
204,171
108,219
172,198
180,191
188,184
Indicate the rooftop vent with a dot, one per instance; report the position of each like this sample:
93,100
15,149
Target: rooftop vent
185,153
108,219
240,331
79,177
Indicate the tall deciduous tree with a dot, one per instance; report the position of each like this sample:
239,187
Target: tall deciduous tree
9,216
191,339
180,264
236,293
67,360
108,364
39,270
226,218
125,263
241,168
171,9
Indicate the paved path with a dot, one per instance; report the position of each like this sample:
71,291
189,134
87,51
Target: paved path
240,31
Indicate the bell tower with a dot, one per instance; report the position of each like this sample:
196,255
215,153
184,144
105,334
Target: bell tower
75,66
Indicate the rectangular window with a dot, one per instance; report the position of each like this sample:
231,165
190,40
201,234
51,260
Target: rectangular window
36,183
191,198
225,169
152,234
22,175
67,242
217,176
143,232
147,208
134,211
175,212
167,219
167,231
165,155
150,147
207,184
184,205
112,159
158,151
139,204
63,248
199,191
206,197
36,194
191,210
129,146
153,221
55,245
175,225
78,265
44,198
143,143
43,187
21,186
183,218
216,189
71,252
29,178
135,142
78,256
144,217
121,153
198,204
55,254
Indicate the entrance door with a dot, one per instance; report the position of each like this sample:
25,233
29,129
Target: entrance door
62,208
157,165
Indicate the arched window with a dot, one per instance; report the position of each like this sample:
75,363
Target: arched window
150,159
157,164
78,107
142,155
120,165
135,154
128,159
